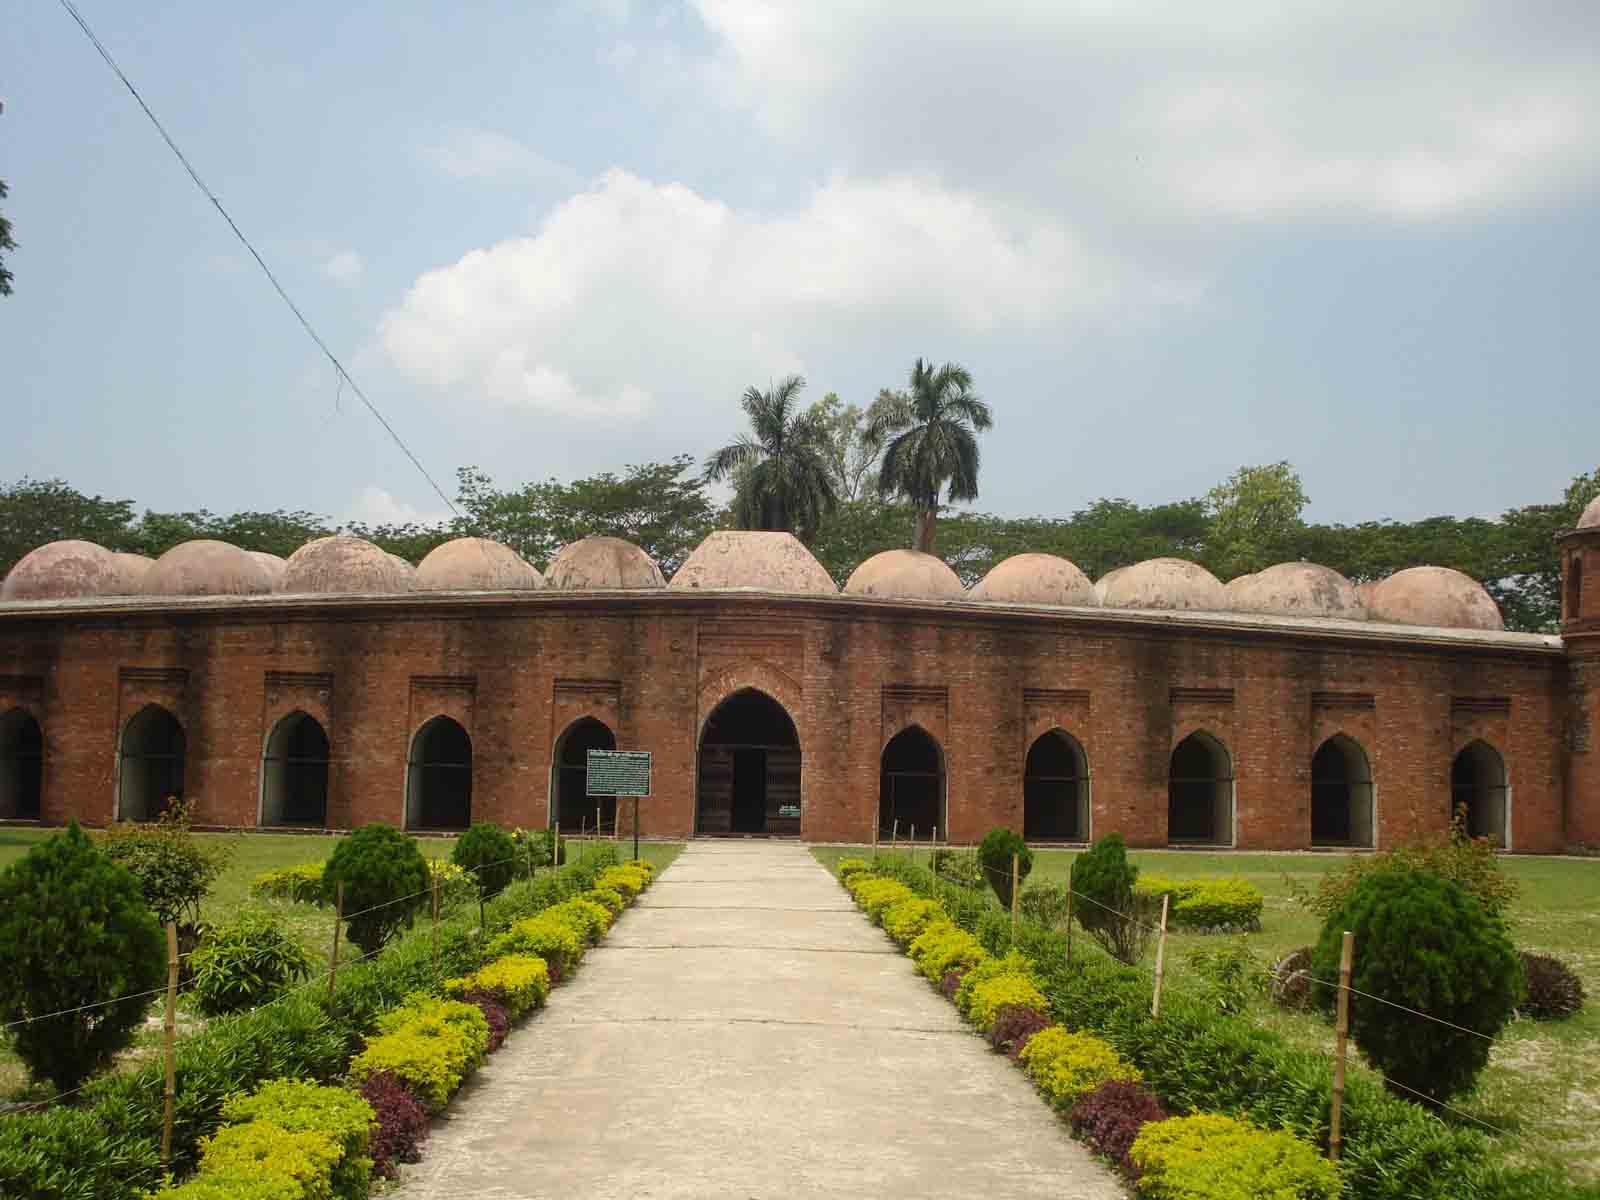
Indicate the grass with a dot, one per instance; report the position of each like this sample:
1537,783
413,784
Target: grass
1542,1085
251,855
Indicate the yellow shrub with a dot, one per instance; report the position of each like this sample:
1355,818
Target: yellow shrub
874,894
627,881
305,1158
990,996
520,982
1069,1065
990,968
542,936
942,947
1213,1157
846,867
586,918
607,898
908,918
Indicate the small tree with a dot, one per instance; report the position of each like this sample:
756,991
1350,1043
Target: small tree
174,868
1421,941
999,845
1110,910
385,882
74,930
488,854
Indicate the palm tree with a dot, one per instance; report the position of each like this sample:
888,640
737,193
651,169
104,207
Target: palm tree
781,477
934,443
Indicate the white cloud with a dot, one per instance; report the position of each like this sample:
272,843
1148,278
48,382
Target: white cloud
1151,111
344,268
378,506
486,154
635,292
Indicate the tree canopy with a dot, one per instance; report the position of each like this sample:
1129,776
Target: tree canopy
5,244
781,470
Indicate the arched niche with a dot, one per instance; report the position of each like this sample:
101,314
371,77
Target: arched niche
911,785
1341,794
294,773
572,803
1478,789
1200,792
439,777
1055,789
748,779
150,764
21,766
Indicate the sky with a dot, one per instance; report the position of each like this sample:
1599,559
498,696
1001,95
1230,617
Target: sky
553,239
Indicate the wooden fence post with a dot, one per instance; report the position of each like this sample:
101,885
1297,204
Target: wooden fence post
1341,1040
171,1028
555,847
434,876
894,836
1070,867
338,922
1016,891
1161,957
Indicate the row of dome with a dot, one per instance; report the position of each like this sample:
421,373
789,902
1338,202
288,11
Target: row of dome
770,562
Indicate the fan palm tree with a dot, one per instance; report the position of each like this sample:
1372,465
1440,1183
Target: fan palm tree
933,443
781,477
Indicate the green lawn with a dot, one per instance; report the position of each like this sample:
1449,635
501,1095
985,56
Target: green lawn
252,854
1543,1080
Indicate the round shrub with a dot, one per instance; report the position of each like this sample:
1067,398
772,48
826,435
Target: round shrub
246,962
1551,989
399,1126
1214,1155
1110,907
905,921
1013,1025
385,883
1290,985
74,930
494,1015
487,853
998,848
1421,941
1067,1065
175,870
1111,1117
847,867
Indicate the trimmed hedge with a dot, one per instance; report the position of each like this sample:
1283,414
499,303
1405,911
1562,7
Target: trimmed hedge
1067,1066
1207,904
301,883
519,982
1215,1157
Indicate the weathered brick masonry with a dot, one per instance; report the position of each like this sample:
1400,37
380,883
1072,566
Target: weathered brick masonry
985,680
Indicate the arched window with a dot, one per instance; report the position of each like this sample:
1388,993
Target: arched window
1574,588
150,770
749,775
294,773
1055,790
911,785
1341,794
1478,789
21,766
573,804
1200,792
439,777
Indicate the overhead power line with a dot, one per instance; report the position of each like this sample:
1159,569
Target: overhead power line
344,375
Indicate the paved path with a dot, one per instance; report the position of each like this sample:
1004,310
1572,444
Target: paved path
745,1032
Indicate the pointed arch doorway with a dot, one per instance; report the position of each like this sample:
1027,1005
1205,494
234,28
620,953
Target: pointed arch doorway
749,774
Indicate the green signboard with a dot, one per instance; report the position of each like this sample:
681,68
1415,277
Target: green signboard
618,773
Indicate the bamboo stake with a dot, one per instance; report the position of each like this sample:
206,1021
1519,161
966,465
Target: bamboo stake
1016,891
555,847
171,1028
1070,866
434,875
913,845
1161,958
894,836
338,922
1341,1039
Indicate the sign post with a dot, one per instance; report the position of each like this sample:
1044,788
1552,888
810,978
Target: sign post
620,773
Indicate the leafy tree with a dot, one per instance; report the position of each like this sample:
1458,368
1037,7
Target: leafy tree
385,882
1421,941
780,469
74,931
1111,911
995,853
933,446
1255,519
856,530
175,870
5,244
36,511
409,540
489,855
280,533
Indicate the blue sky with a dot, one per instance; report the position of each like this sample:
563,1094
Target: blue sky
553,239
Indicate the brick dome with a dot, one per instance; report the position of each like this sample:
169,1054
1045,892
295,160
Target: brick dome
1296,589
345,564
272,565
472,564
1163,583
600,564
206,568
744,558
1435,596
905,575
63,571
1591,515
131,570
1036,579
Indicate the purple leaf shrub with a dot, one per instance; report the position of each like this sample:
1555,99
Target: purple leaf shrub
494,1013
1013,1025
951,981
1110,1117
400,1124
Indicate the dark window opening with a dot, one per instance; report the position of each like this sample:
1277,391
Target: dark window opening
911,786
1200,792
150,774
1341,795
21,766
749,775
294,778
575,808
439,777
1055,790
1478,790
1574,588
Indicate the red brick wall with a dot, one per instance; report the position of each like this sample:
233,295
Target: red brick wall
851,673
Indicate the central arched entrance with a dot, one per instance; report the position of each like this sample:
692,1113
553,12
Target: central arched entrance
911,785
150,768
573,805
749,768
21,766
439,777
1055,790
294,773
1478,786
1200,792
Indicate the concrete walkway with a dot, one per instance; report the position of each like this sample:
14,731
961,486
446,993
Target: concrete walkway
745,1032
